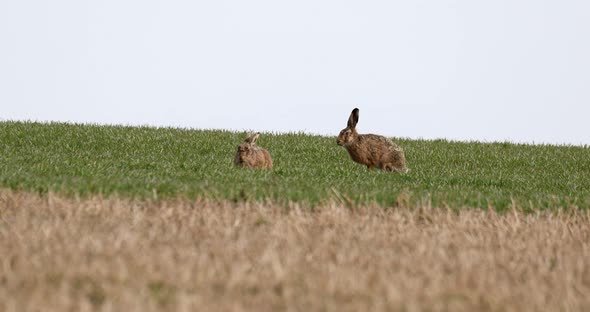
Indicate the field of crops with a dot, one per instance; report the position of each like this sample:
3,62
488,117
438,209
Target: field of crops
96,254
111,218
144,162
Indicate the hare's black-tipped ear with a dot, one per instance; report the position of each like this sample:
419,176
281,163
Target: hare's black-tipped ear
255,137
353,119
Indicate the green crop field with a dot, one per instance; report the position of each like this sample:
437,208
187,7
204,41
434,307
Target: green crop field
146,162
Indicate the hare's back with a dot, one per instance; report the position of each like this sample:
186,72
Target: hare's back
264,158
376,140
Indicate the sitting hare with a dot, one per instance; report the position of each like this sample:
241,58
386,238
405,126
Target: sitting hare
370,149
252,156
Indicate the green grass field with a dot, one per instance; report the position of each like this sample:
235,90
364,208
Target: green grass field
145,162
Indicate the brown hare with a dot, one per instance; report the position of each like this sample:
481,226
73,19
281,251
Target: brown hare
250,155
371,150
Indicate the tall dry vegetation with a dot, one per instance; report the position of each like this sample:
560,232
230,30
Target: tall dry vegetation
59,254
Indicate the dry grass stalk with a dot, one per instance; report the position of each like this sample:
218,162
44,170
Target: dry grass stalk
59,254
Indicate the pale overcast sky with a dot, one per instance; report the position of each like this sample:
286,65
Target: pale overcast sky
516,70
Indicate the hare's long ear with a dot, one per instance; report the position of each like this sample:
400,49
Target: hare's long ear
353,119
255,137
248,138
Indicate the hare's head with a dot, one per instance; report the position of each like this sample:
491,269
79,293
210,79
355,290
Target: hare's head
349,134
248,143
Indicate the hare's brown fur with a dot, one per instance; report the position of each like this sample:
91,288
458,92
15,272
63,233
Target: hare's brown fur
371,150
250,155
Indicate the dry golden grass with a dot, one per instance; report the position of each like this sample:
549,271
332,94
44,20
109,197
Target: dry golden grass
59,254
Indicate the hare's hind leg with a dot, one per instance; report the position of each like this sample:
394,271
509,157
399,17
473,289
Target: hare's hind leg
387,167
392,168
401,169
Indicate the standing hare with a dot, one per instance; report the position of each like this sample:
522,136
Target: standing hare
371,150
250,155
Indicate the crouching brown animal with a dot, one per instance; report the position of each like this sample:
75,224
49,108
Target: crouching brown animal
371,150
250,155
